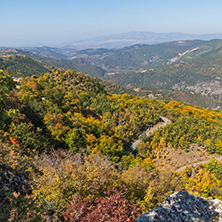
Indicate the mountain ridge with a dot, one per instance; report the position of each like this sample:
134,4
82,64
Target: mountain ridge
137,37
192,67
55,62
124,39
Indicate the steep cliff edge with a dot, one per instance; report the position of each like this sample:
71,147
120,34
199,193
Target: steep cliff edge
183,206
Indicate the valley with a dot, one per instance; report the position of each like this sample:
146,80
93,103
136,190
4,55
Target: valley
111,111
194,77
66,135
193,65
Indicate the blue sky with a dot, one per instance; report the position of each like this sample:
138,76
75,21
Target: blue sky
53,22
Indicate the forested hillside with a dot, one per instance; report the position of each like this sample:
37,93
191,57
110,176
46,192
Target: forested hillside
201,76
50,61
198,69
64,150
186,66
136,57
19,66
187,96
181,65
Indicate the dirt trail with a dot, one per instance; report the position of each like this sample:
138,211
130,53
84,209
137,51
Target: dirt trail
195,164
150,131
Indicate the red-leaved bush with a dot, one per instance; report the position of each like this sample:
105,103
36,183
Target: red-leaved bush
14,140
113,207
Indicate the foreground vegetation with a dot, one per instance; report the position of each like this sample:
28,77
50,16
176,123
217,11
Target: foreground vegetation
64,150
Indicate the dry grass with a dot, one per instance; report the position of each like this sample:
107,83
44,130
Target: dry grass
179,158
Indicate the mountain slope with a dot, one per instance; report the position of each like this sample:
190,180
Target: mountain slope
201,76
187,96
67,137
135,56
19,66
199,70
140,57
192,67
57,62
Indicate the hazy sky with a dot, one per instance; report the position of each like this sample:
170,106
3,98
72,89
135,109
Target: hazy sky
50,22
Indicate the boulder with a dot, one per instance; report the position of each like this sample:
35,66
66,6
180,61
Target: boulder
183,206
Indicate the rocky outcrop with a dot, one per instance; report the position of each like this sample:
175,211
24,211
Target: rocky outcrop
11,181
183,206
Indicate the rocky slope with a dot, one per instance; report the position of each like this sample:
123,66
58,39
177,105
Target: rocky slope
183,206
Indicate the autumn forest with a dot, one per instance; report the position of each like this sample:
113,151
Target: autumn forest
65,150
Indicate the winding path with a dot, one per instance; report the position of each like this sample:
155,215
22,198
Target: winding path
156,127
195,164
148,132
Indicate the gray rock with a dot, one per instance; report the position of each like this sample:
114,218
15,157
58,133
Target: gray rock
183,206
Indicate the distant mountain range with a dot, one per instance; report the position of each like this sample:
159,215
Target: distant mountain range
192,66
15,60
137,57
126,39
181,65
131,38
